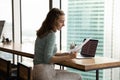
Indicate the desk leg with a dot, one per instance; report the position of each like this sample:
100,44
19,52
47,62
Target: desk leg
61,67
97,74
13,59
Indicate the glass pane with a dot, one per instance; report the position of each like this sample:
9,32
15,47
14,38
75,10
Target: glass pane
56,4
33,14
85,19
6,15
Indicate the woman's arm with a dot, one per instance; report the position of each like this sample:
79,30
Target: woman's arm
57,59
62,54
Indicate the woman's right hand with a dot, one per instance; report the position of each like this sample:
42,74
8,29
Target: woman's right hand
73,55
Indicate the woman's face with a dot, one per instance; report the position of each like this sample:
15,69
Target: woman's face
60,22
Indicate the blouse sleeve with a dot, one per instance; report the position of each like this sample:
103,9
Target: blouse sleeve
49,47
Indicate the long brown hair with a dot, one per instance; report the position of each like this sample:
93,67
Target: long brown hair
49,22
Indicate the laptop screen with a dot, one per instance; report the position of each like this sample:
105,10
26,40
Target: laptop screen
89,49
1,26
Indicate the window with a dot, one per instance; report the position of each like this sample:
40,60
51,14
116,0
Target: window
85,18
33,14
6,14
98,19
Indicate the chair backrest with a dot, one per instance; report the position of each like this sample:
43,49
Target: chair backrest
5,68
24,72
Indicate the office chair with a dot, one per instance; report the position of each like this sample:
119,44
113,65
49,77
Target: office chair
6,72
24,72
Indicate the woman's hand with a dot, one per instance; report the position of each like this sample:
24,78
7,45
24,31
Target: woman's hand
63,57
73,55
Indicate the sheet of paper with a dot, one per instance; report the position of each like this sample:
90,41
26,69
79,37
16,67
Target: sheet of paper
77,48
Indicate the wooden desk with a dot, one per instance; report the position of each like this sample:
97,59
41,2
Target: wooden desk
23,50
26,50
96,64
92,63
80,64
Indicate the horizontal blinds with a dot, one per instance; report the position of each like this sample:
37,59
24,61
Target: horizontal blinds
86,19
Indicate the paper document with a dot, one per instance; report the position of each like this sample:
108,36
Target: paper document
77,48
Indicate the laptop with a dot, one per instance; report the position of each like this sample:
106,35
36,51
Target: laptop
2,22
89,49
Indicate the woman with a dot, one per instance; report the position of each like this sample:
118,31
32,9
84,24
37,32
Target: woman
45,50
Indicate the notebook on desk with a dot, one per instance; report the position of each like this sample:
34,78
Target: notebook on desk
78,47
89,49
